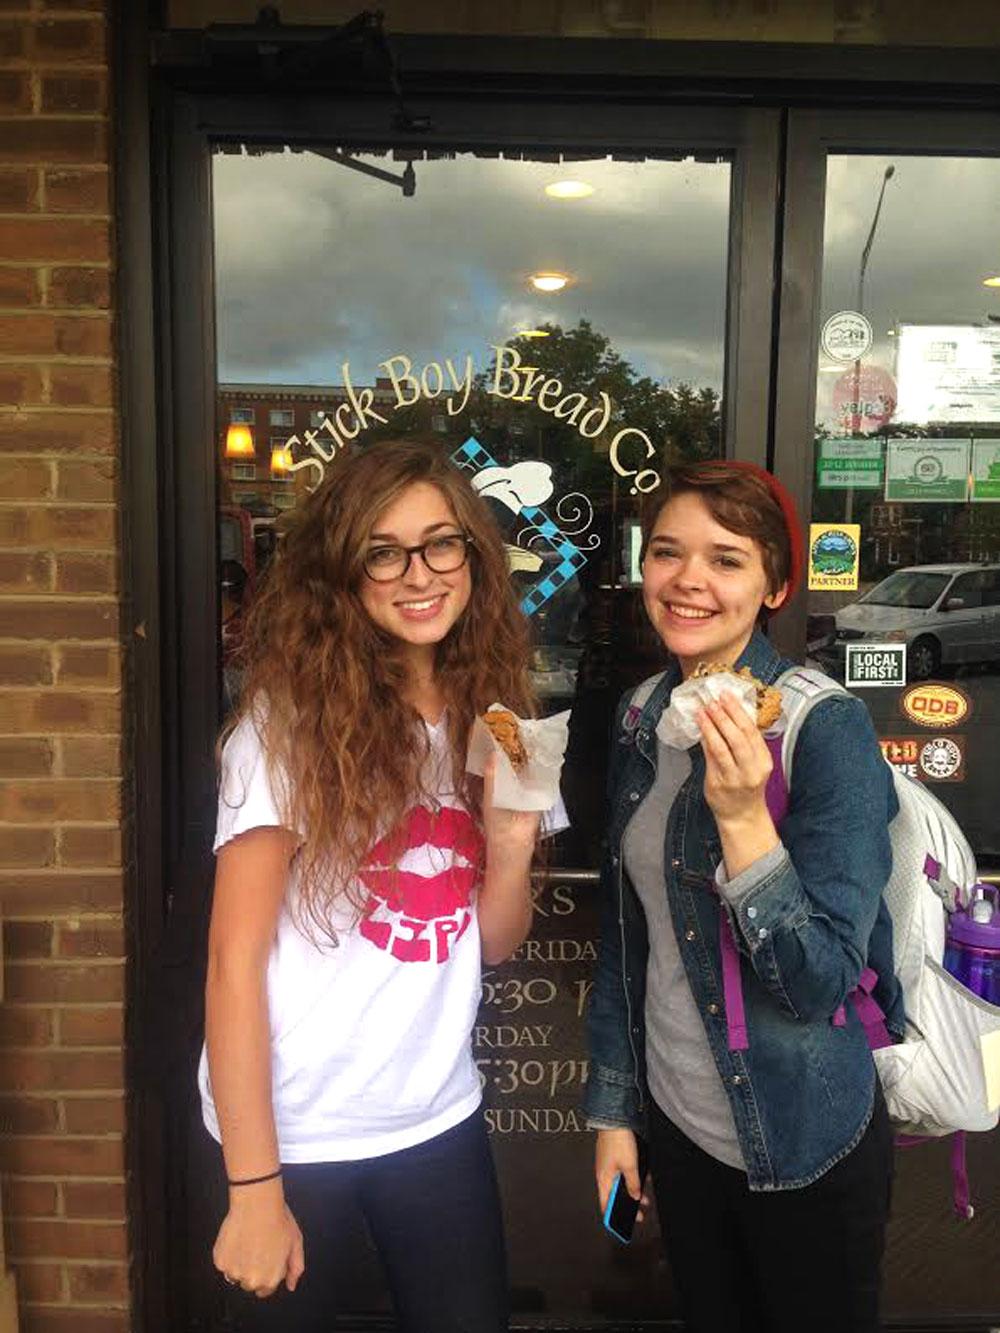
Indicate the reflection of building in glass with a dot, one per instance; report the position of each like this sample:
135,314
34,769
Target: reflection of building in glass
275,413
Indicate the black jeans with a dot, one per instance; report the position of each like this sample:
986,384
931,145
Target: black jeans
776,1262
433,1212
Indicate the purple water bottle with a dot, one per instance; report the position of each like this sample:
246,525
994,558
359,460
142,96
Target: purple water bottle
972,950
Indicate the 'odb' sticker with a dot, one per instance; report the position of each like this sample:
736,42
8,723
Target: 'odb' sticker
936,705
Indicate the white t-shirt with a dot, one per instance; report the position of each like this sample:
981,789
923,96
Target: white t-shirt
370,1039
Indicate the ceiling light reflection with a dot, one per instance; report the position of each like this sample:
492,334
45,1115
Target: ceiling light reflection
569,189
548,282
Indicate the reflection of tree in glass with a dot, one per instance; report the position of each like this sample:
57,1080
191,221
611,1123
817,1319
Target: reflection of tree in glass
681,422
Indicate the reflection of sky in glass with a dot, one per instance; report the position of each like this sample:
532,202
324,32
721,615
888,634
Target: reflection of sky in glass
317,264
938,237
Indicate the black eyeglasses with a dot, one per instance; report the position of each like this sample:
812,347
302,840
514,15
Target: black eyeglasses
441,555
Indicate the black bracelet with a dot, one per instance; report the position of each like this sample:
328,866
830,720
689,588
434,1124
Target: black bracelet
254,1180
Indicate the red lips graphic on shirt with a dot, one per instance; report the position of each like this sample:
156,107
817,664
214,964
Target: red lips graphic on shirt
416,917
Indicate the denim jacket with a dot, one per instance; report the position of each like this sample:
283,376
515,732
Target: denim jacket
802,1093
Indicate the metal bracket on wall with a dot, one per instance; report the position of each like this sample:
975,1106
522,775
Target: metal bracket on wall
290,58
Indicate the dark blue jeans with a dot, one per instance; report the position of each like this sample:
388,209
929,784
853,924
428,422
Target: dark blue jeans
433,1214
782,1261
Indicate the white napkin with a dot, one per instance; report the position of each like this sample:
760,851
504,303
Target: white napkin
677,725
536,786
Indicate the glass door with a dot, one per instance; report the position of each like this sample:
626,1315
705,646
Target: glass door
888,417
562,301
558,327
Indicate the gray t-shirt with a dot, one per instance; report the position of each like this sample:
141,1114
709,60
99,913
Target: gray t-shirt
680,1069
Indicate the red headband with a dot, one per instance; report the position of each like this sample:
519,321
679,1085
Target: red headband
785,502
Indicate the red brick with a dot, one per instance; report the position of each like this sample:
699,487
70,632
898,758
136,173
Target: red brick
73,1319
80,287
54,983
93,1198
15,91
51,800
90,756
30,573
26,478
94,1115
22,618
105,1284
31,139
38,430
97,668
92,1027
45,891
30,1237
22,385
26,757
77,93
27,939
40,334
61,526
37,1283
19,287
80,386
77,190
20,1026
28,1115
28,847
42,712
69,40
79,573
18,190
86,480
89,847
91,937
37,240
21,664
54,1070
30,1198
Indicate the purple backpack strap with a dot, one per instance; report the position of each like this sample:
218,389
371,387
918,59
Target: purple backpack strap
862,997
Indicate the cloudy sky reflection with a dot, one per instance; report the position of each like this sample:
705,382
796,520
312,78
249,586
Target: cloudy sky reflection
316,264
937,238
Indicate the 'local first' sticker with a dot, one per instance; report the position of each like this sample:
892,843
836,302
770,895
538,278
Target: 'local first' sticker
871,664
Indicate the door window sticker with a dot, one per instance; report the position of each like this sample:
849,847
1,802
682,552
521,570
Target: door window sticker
925,471
847,336
833,555
985,470
571,558
875,664
942,759
936,705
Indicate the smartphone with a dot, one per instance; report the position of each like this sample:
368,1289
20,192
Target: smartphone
620,1214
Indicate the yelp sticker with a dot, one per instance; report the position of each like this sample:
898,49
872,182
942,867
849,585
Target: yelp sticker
935,705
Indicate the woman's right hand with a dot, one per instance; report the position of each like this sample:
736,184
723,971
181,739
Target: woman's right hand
259,1244
616,1150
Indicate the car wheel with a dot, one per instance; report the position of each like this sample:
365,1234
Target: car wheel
924,659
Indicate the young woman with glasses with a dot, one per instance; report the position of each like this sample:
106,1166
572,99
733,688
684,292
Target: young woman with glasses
362,878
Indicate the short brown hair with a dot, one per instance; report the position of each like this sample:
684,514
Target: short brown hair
739,500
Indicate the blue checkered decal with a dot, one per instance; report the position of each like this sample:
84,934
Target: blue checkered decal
473,457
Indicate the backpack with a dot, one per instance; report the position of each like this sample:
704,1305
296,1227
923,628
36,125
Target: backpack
935,1079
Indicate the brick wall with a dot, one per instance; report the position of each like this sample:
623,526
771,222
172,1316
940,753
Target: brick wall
61,1102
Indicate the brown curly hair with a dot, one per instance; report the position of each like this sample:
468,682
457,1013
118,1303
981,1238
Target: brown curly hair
323,683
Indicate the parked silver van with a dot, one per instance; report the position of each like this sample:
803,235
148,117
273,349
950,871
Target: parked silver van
945,614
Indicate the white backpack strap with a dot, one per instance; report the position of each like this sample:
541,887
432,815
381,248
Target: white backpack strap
802,688
641,696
